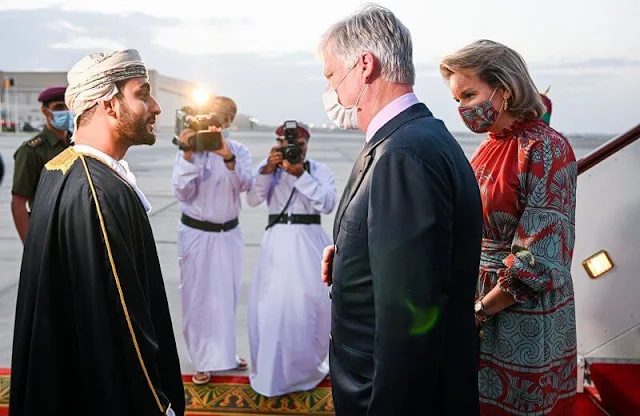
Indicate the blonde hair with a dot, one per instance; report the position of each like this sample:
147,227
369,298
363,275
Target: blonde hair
499,66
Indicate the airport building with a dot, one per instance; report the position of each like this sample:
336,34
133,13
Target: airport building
19,97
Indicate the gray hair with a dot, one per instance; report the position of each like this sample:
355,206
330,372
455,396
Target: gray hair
499,66
376,30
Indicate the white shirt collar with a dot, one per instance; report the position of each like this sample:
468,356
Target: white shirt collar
389,111
121,167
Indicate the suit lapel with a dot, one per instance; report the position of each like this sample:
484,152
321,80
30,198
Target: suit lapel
363,162
357,174
354,178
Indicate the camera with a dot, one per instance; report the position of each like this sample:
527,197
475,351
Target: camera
188,118
291,152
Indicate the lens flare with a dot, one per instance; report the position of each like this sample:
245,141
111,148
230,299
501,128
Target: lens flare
200,96
423,318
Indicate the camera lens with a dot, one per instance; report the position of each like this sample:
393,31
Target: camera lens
293,155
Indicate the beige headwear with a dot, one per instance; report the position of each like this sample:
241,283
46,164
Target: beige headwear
93,78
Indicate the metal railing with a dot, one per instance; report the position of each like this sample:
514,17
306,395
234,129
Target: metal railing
607,149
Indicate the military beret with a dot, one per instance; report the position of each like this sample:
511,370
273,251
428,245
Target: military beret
52,94
303,131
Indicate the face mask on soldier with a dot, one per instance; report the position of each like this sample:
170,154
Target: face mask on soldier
62,120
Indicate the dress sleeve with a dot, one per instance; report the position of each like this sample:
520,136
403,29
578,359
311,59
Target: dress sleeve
542,247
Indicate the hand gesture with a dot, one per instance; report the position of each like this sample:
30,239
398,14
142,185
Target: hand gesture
185,136
225,150
274,160
295,170
327,264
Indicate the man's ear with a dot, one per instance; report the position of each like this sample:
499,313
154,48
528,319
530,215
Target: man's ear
110,107
369,67
45,111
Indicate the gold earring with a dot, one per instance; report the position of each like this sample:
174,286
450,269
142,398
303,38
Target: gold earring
506,103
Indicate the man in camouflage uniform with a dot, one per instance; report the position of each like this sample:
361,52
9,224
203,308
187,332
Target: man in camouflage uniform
33,154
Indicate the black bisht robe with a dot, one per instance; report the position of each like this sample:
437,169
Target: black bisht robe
93,334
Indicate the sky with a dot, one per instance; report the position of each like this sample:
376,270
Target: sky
262,53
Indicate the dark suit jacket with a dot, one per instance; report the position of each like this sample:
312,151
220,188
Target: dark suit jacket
407,235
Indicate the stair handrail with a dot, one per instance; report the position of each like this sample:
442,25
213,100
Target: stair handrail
608,149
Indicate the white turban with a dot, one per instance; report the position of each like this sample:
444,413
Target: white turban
94,77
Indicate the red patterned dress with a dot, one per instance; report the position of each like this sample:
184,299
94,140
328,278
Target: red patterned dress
527,177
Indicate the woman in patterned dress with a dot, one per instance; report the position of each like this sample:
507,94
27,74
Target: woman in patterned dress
527,175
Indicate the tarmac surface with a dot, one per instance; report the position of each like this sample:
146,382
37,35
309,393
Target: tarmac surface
153,167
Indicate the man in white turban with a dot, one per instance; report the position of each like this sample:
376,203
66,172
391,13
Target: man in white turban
92,309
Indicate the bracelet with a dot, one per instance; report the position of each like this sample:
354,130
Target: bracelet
482,318
478,307
231,159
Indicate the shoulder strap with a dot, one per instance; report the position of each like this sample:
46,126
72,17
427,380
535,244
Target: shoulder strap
36,141
307,167
276,220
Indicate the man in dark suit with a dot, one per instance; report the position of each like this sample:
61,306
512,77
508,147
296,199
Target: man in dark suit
407,236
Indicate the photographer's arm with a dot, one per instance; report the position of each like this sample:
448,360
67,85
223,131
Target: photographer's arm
184,178
261,183
320,188
240,174
263,177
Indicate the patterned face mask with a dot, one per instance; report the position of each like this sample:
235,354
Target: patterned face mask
481,117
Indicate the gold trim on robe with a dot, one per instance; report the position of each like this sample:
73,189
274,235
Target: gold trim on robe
62,161
117,279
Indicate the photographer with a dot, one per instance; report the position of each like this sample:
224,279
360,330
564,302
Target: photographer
210,247
289,310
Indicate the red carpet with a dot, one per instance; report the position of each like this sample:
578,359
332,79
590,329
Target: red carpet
232,396
618,385
589,403
227,396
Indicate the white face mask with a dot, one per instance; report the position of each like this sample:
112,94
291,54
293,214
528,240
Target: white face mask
341,116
